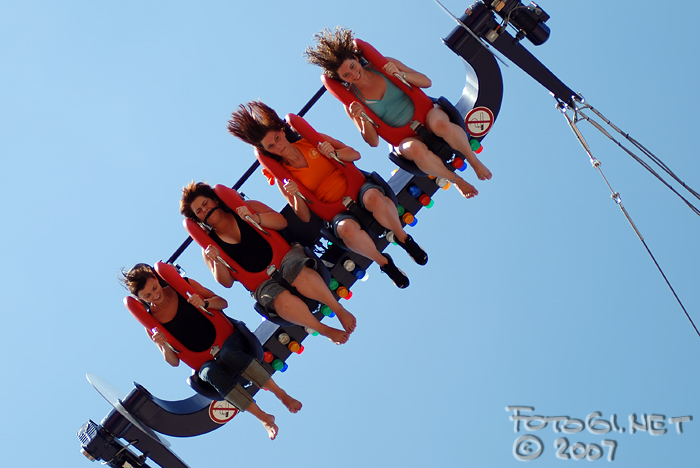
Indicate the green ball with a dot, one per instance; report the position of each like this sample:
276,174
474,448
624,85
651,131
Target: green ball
401,210
277,364
334,284
475,144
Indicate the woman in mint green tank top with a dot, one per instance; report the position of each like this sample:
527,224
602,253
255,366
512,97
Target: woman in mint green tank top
335,53
395,108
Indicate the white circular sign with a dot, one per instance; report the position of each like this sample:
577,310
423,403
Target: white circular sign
222,412
479,121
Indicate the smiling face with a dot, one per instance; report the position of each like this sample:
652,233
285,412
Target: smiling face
351,71
275,142
202,206
152,292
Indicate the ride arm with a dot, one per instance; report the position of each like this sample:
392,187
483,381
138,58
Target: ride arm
481,21
367,130
168,354
290,191
203,294
266,216
414,77
221,273
344,152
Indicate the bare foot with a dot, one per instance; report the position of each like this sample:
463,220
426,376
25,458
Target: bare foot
465,188
347,320
270,426
336,336
292,404
482,172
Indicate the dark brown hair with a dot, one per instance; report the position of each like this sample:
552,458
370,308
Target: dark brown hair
331,50
190,192
251,122
135,279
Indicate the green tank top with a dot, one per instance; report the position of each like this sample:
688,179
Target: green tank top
395,108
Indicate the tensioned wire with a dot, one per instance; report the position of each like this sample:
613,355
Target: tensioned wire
579,116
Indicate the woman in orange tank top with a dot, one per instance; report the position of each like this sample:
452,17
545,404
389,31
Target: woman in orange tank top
259,125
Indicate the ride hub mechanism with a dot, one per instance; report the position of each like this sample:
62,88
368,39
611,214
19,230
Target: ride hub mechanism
528,20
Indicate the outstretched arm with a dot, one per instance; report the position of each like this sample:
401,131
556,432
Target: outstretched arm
264,215
289,190
159,339
344,152
409,74
221,273
369,133
203,294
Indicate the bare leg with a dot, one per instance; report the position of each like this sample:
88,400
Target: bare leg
416,151
359,241
384,211
267,420
294,310
292,404
310,284
439,123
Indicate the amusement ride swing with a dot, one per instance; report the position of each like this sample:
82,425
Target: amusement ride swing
479,38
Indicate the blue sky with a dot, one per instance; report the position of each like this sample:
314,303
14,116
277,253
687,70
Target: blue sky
537,292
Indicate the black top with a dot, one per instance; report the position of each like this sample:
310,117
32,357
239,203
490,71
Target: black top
191,327
253,253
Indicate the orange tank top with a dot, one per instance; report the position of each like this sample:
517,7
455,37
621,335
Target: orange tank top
321,177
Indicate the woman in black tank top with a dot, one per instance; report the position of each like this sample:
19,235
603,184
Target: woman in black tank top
200,203
252,252
181,318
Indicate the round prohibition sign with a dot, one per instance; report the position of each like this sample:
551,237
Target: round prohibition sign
222,412
479,121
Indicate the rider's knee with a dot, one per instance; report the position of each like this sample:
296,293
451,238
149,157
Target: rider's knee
347,229
283,303
441,126
305,274
372,198
415,151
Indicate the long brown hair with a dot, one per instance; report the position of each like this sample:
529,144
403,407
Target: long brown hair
331,50
251,122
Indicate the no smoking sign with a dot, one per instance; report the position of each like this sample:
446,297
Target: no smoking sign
479,121
222,412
